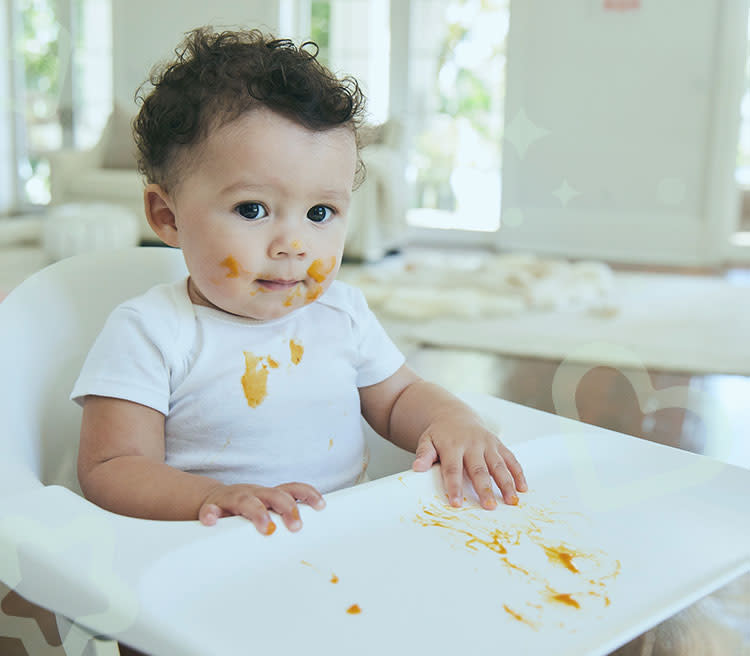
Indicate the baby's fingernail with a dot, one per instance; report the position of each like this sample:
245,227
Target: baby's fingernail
270,528
320,504
295,513
513,501
456,502
490,503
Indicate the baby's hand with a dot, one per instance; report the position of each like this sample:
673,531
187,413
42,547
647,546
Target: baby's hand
461,443
254,502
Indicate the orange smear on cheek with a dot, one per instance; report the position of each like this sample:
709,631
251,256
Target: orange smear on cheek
233,268
318,271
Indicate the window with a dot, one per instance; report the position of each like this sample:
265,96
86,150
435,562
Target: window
62,71
443,78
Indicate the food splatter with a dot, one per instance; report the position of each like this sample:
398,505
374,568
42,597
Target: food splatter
319,271
330,443
519,617
334,578
270,528
255,378
354,609
564,598
580,574
232,266
296,350
295,293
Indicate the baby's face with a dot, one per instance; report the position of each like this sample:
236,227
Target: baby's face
261,217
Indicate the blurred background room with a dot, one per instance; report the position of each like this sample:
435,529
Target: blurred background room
556,192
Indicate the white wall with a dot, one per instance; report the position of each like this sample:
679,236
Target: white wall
147,31
622,111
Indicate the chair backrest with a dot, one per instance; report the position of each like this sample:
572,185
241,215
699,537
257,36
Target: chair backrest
47,325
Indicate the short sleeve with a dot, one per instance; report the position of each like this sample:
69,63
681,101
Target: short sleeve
127,361
378,357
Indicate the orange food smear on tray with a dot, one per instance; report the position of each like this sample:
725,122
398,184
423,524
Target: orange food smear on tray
334,578
354,609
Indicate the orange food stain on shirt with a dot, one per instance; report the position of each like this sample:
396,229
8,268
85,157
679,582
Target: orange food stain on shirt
334,578
559,555
296,350
318,271
270,528
565,599
254,380
233,268
354,610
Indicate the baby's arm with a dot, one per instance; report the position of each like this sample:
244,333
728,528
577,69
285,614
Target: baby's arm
426,419
121,468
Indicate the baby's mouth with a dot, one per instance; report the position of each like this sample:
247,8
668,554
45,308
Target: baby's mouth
277,284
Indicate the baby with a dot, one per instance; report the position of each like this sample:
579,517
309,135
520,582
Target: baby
239,390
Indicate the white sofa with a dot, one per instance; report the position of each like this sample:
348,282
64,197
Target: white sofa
107,173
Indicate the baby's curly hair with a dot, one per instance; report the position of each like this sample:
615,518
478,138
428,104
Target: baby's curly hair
217,77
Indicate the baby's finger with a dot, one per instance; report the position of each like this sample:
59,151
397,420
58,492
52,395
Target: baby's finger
209,513
452,470
253,508
476,468
499,471
514,467
306,494
280,501
426,455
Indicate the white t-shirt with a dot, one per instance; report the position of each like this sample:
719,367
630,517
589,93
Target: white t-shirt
246,401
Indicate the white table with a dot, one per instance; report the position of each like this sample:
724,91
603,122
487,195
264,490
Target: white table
615,535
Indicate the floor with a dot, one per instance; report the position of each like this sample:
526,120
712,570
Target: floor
603,398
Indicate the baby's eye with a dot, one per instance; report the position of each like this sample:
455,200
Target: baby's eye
319,213
251,210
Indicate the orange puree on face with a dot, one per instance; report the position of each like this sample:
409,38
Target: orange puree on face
354,610
296,351
318,271
233,268
254,380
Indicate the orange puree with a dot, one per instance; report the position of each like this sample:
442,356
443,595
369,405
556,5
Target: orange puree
296,351
233,268
354,610
558,555
565,599
254,380
318,271
334,578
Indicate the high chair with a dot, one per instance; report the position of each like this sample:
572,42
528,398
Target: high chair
47,325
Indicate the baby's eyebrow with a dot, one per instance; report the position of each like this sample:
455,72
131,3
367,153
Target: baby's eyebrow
243,186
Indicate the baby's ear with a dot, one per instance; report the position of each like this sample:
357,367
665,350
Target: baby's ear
158,207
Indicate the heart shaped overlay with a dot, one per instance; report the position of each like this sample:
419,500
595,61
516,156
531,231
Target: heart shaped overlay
599,494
